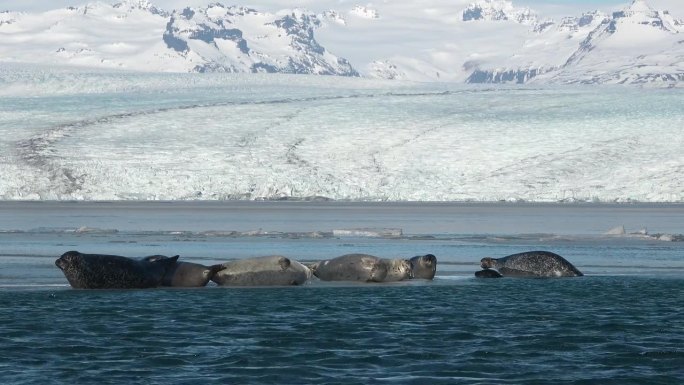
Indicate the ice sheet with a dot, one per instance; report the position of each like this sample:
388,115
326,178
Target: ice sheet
111,136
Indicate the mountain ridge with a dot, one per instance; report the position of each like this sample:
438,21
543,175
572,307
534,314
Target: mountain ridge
496,42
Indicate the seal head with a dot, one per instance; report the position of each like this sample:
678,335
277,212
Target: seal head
423,266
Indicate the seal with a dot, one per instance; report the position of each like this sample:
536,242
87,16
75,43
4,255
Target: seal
487,273
351,267
185,274
272,270
101,271
532,264
423,266
397,270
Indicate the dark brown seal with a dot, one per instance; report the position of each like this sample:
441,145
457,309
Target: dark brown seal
101,271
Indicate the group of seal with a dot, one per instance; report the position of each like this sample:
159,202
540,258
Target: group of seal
528,264
101,271
369,268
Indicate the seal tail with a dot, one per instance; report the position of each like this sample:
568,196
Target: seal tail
312,266
213,269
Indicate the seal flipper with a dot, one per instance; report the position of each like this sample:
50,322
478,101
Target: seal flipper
213,269
312,267
488,273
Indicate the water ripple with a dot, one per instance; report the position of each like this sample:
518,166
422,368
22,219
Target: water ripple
589,330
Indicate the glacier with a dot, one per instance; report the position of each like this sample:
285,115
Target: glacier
94,134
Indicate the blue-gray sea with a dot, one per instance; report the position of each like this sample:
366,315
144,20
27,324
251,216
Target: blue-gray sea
622,323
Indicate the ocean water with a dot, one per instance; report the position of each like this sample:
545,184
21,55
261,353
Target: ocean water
622,323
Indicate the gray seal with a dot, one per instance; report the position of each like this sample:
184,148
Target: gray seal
418,267
423,266
397,270
186,274
101,271
351,267
273,270
532,264
487,273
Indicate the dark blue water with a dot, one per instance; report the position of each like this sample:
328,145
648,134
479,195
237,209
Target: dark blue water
590,330
622,323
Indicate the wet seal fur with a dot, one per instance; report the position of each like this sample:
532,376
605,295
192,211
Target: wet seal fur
488,273
186,274
532,264
369,268
397,270
273,270
351,267
101,271
423,266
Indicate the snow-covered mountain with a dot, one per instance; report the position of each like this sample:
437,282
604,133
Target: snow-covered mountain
138,35
238,39
499,10
634,45
480,41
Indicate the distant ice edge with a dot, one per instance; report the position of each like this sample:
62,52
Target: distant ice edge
33,197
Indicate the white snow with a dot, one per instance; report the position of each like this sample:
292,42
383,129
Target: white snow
365,12
99,135
423,41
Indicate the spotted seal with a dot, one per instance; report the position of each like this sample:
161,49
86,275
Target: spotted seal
351,267
186,274
101,271
273,270
532,264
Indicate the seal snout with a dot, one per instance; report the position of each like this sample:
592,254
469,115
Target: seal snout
487,263
430,260
65,259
